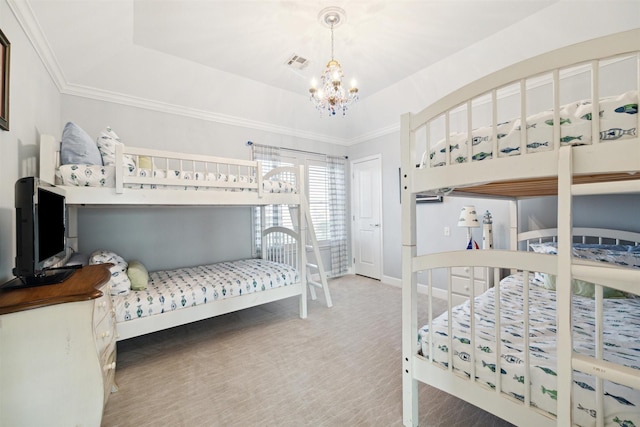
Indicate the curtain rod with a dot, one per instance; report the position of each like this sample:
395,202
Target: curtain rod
250,143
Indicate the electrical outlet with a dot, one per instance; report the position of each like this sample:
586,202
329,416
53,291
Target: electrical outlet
447,231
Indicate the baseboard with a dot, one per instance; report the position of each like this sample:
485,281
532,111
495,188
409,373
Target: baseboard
424,290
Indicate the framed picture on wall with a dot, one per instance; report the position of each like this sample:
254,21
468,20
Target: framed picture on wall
5,60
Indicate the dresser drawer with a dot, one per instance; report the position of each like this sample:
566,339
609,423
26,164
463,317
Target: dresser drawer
105,333
462,285
478,272
102,305
109,373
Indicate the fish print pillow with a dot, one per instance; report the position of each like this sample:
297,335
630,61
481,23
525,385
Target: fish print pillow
119,284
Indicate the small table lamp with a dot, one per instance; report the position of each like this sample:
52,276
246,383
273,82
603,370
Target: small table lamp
469,219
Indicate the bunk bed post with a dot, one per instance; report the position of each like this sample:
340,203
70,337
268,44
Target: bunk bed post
409,278
302,241
48,158
564,288
119,164
263,216
513,224
72,227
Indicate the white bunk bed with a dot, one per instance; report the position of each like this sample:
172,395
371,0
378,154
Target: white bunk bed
179,179
508,380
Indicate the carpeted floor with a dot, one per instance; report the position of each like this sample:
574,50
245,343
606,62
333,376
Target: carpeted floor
265,366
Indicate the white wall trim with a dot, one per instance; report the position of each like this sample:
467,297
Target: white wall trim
374,134
393,281
25,17
422,289
27,20
164,107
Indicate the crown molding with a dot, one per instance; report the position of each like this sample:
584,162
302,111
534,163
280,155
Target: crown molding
163,107
374,134
26,18
24,15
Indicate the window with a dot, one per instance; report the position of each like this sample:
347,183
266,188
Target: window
326,194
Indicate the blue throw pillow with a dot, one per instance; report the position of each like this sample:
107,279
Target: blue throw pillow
77,147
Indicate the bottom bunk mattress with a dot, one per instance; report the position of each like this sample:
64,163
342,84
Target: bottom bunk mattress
621,346
170,290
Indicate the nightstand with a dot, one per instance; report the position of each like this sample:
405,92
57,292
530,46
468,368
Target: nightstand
461,283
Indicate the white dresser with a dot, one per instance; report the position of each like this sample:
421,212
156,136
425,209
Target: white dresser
57,351
461,283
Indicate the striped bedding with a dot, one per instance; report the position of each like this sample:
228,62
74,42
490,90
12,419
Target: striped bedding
621,337
170,290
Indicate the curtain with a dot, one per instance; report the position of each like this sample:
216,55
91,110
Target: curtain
327,195
337,204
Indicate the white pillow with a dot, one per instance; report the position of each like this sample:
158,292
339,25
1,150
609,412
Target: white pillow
107,142
120,283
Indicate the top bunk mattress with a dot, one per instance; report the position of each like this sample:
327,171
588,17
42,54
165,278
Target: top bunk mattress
80,175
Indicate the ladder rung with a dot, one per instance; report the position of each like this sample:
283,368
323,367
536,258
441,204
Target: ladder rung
316,284
309,247
312,265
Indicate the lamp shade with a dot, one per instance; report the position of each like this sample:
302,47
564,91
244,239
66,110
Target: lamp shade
468,217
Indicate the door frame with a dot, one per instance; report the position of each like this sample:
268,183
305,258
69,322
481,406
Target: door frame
377,157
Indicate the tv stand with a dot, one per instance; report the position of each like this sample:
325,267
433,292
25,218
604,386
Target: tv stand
48,277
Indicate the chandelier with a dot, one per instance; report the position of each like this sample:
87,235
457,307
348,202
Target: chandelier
331,96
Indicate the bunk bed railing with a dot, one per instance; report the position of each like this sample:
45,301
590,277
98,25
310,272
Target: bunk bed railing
174,170
428,369
281,244
487,90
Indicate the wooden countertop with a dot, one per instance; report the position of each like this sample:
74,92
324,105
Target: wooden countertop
81,286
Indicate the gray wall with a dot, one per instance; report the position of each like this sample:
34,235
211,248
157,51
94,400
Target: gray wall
611,211
164,237
34,109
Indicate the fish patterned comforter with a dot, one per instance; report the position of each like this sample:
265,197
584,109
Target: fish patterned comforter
104,176
618,120
170,290
621,337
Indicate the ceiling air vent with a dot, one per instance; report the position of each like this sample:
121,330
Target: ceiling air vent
297,62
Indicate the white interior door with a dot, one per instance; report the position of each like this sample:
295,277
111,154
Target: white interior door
367,221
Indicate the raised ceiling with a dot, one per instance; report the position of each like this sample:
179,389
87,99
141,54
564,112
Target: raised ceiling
225,61
380,43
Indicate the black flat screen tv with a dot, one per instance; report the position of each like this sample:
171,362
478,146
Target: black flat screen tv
40,233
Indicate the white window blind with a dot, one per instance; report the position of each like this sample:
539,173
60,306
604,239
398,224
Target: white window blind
318,195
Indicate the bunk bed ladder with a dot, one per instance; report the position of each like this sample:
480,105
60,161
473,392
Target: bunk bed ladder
316,275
